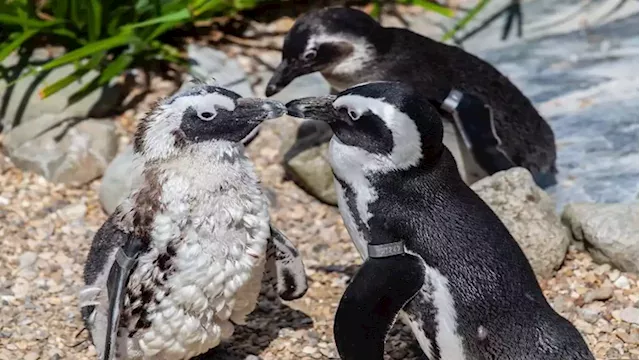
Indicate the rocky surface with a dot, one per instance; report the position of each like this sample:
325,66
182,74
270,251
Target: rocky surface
529,214
582,75
609,231
118,180
209,64
21,103
53,223
70,152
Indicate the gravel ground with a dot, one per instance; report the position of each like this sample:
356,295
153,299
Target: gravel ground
46,231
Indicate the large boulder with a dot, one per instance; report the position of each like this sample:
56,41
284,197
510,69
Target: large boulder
529,214
70,152
21,102
609,232
118,180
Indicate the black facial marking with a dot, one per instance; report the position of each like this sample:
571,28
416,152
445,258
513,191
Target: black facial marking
179,139
225,126
369,132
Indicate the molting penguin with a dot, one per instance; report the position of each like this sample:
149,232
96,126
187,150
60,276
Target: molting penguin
497,127
435,254
181,260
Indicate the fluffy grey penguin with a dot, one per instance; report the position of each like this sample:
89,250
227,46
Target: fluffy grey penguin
181,260
497,126
435,254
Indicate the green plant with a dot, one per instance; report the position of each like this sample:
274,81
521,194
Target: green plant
107,35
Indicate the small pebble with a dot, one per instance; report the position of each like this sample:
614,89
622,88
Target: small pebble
590,315
629,315
599,294
622,283
32,356
27,259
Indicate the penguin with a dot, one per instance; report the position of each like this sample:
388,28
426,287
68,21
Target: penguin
181,260
435,255
349,47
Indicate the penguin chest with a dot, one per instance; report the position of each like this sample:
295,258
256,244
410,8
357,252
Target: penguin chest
184,302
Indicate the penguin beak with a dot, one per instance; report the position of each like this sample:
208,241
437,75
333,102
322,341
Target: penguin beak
258,110
284,74
315,108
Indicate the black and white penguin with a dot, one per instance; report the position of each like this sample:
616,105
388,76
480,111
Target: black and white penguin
181,260
435,254
349,47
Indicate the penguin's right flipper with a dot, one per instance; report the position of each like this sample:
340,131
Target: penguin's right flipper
474,120
126,258
284,263
370,305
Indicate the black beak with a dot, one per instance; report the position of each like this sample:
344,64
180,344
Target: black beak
258,110
284,74
315,108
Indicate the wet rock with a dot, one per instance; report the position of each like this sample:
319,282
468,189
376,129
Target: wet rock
70,152
609,231
22,103
529,214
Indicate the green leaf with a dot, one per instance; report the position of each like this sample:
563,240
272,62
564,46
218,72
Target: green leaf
7,49
244,4
160,30
84,91
465,20
60,9
26,23
169,18
427,5
87,50
62,83
377,8
115,68
95,19
77,10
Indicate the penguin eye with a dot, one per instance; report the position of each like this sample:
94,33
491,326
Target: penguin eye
354,115
206,115
309,55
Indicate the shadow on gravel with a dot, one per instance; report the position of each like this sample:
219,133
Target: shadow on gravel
262,327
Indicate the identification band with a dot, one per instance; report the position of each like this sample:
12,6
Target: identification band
450,104
386,250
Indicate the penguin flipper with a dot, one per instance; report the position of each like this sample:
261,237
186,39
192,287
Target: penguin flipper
475,122
126,258
371,303
284,263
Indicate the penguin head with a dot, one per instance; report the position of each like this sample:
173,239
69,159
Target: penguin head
202,115
379,126
336,40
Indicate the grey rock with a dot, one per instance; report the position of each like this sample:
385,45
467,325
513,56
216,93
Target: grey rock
585,83
22,103
118,180
67,152
529,214
609,231
590,315
211,64
27,260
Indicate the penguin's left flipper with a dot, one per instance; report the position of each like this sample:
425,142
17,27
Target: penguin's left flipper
284,263
126,258
475,122
371,303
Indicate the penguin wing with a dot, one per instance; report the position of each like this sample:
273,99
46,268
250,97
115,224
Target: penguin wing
113,255
126,258
284,263
475,122
371,302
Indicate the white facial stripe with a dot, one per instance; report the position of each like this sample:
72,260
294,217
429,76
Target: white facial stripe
407,147
362,51
203,102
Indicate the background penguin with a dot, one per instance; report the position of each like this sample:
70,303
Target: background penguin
435,252
181,260
349,47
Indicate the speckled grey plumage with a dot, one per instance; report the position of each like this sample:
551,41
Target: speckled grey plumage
585,84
